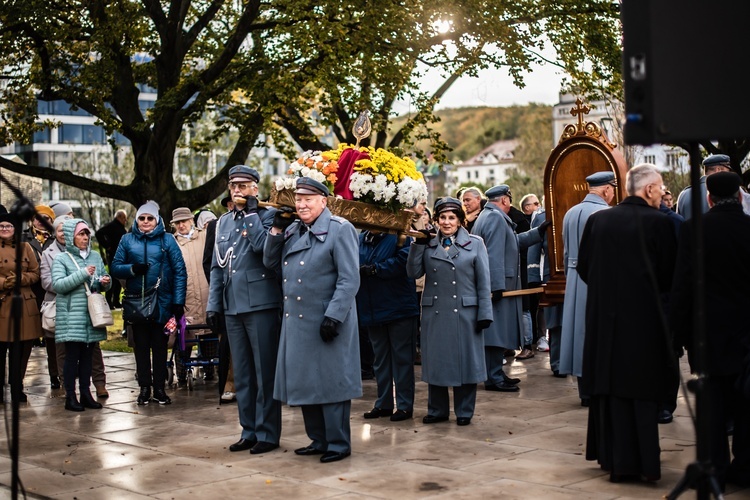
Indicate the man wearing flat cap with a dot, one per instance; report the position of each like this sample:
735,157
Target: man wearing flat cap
318,367
726,245
601,193
248,296
497,230
713,164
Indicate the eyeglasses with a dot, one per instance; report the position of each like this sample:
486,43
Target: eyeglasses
242,185
146,218
6,227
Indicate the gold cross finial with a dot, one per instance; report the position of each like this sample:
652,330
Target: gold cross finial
580,110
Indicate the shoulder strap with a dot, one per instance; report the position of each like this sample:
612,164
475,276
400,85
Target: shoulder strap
86,285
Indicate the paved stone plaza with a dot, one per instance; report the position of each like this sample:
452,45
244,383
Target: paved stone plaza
524,445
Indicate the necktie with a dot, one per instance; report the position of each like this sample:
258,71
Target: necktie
447,242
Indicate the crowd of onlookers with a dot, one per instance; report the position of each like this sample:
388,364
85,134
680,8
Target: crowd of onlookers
305,308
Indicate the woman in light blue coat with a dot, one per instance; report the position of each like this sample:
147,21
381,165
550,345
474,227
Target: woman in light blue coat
71,270
456,309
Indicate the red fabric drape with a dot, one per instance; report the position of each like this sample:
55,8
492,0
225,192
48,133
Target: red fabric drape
344,174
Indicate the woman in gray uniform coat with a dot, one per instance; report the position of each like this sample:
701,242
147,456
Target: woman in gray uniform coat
456,308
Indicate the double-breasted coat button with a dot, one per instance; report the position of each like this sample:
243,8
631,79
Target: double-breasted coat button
300,316
455,310
454,296
435,297
302,263
287,315
435,283
454,282
285,262
284,280
285,297
299,280
299,298
234,271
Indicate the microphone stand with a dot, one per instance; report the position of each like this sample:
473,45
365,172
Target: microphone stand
21,211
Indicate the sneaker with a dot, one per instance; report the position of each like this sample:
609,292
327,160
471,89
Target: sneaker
542,345
144,397
228,397
161,397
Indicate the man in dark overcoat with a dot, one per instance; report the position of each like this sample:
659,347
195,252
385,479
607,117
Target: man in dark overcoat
248,296
318,365
109,236
726,247
627,258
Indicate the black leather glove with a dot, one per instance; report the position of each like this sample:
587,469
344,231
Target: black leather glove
543,227
213,319
252,204
139,269
424,238
178,310
368,270
483,324
328,329
283,218
497,295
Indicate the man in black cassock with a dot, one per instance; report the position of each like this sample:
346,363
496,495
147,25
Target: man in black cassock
627,258
726,245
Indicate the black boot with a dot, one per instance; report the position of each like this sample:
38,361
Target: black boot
88,401
161,397
145,396
72,404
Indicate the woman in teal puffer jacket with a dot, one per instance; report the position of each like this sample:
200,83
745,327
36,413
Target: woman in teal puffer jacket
70,270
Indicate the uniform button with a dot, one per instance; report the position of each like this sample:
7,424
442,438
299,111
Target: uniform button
434,270
453,268
287,315
284,280
222,237
233,271
454,296
454,282
234,256
237,230
285,297
436,312
299,280
234,243
285,263
302,263
300,315
249,225
299,298
435,283
435,297
262,275
455,310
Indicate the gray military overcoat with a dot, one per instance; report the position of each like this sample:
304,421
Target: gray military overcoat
503,244
240,283
456,295
320,277
574,305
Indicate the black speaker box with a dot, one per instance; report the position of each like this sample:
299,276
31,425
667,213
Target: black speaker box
684,70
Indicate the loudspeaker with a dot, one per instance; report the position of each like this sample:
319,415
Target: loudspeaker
683,65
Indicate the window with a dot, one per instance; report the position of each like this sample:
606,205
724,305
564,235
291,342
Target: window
63,108
673,159
649,159
81,134
42,136
468,175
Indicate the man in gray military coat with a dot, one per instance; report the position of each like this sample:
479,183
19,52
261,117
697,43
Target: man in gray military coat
318,365
249,297
711,165
601,193
497,230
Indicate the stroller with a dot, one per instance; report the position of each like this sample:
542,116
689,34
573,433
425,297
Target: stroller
196,363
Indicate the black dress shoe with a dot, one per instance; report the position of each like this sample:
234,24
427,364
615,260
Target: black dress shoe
511,381
263,447
401,415
665,417
432,419
307,451
501,387
463,420
242,445
379,412
558,374
334,456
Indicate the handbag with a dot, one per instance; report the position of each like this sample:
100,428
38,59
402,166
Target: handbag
99,311
49,312
137,308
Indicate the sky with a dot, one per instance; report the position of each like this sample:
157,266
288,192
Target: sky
494,87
